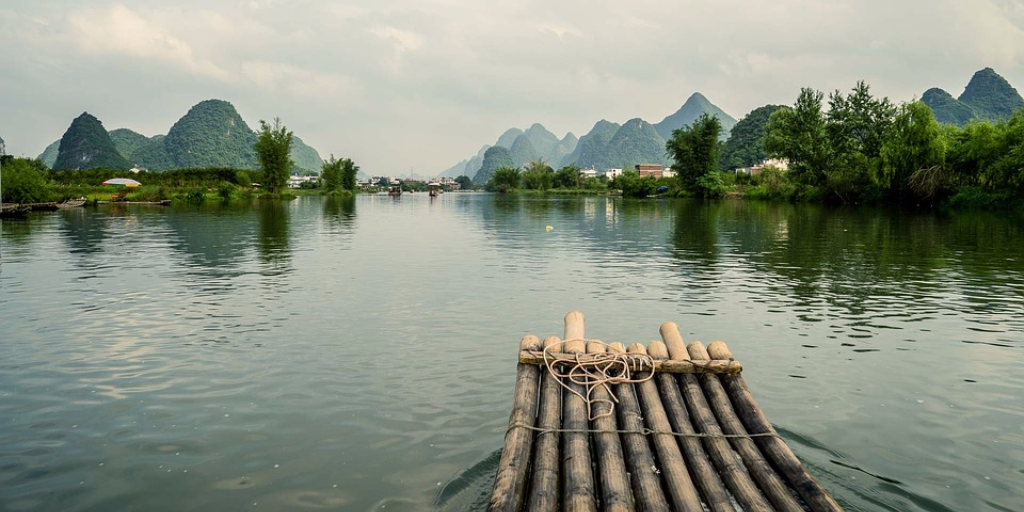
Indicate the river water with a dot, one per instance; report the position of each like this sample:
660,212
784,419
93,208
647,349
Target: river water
360,355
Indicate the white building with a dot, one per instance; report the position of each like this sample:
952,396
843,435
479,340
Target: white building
612,173
588,173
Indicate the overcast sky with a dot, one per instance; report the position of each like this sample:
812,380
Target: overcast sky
402,85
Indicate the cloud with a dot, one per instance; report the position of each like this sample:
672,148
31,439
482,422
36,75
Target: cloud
119,31
273,77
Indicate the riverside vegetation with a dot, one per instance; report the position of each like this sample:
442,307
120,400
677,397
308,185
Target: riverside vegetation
862,149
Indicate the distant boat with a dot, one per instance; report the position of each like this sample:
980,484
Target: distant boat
395,191
14,211
72,203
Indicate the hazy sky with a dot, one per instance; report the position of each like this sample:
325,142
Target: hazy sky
400,84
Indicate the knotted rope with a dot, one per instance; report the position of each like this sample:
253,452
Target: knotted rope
597,370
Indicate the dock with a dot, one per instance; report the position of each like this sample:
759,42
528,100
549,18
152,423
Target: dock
665,426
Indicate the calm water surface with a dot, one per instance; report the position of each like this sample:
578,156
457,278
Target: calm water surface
359,355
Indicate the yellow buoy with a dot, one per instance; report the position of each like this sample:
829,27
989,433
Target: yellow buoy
548,228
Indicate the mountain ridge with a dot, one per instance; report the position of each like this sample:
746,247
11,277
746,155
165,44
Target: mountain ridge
987,97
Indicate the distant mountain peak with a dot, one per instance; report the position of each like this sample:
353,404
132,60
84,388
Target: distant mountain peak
696,105
988,97
87,145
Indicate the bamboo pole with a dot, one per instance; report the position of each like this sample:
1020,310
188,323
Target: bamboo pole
510,480
635,364
611,465
646,484
774,489
774,448
732,471
673,416
578,495
544,481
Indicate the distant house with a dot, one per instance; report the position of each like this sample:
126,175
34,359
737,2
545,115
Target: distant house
136,170
649,170
588,173
297,181
668,173
612,173
780,164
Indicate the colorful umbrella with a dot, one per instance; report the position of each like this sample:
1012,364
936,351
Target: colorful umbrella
122,182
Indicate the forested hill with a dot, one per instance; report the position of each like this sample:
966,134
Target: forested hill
603,147
211,134
988,97
86,145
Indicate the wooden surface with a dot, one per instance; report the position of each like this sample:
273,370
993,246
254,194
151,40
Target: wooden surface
677,439
510,480
637,364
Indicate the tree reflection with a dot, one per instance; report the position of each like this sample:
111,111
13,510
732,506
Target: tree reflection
272,243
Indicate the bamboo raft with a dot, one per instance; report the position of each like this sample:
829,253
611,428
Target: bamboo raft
674,428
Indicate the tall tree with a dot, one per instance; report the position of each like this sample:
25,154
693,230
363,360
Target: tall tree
914,143
465,183
798,134
504,179
273,147
349,170
695,150
330,173
538,176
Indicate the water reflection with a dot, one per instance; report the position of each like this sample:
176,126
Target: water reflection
340,212
272,241
211,236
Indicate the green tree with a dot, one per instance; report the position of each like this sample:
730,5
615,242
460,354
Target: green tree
695,150
330,173
273,148
914,143
632,185
24,181
505,179
798,134
537,176
349,171
567,177
464,182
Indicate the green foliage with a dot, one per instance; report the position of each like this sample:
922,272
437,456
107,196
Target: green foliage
913,143
745,146
86,145
464,182
349,171
632,185
24,181
330,174
695,150
538,176
495,158
567,177
798,134
274,149
505,179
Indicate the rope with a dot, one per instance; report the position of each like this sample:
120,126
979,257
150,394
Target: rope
601,370
643,431
597,370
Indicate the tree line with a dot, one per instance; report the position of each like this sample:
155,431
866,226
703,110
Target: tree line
860,149
30,181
